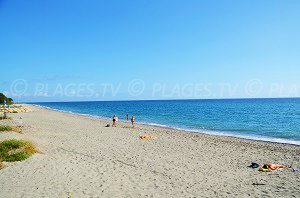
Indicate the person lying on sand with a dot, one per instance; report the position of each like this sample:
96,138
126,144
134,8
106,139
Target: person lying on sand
272,167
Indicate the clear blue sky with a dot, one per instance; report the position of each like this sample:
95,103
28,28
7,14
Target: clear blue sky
168,45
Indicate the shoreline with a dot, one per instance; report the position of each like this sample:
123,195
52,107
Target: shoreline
205,132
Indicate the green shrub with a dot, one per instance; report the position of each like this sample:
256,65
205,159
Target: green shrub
5,128
12,144
15,112
9,128
17,157
16,150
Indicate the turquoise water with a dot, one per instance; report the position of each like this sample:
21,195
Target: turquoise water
276,120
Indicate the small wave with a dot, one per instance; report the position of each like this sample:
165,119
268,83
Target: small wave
154,124
250,137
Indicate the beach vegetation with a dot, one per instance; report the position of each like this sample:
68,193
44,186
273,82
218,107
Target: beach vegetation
16,150
5,118
5,128
4,98
1,164
17,129
9,128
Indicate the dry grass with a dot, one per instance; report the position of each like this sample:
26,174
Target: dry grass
31,148
17,129
1,164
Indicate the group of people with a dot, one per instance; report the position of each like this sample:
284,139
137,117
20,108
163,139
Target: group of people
115,120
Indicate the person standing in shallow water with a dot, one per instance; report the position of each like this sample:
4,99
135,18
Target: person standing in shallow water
114,121
132,121
127,116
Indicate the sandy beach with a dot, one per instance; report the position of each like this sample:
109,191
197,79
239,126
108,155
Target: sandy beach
83,158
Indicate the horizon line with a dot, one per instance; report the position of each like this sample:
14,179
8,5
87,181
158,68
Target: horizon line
176,99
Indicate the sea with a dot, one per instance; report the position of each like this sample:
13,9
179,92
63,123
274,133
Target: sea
274,120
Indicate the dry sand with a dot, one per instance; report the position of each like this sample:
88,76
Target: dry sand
83,158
